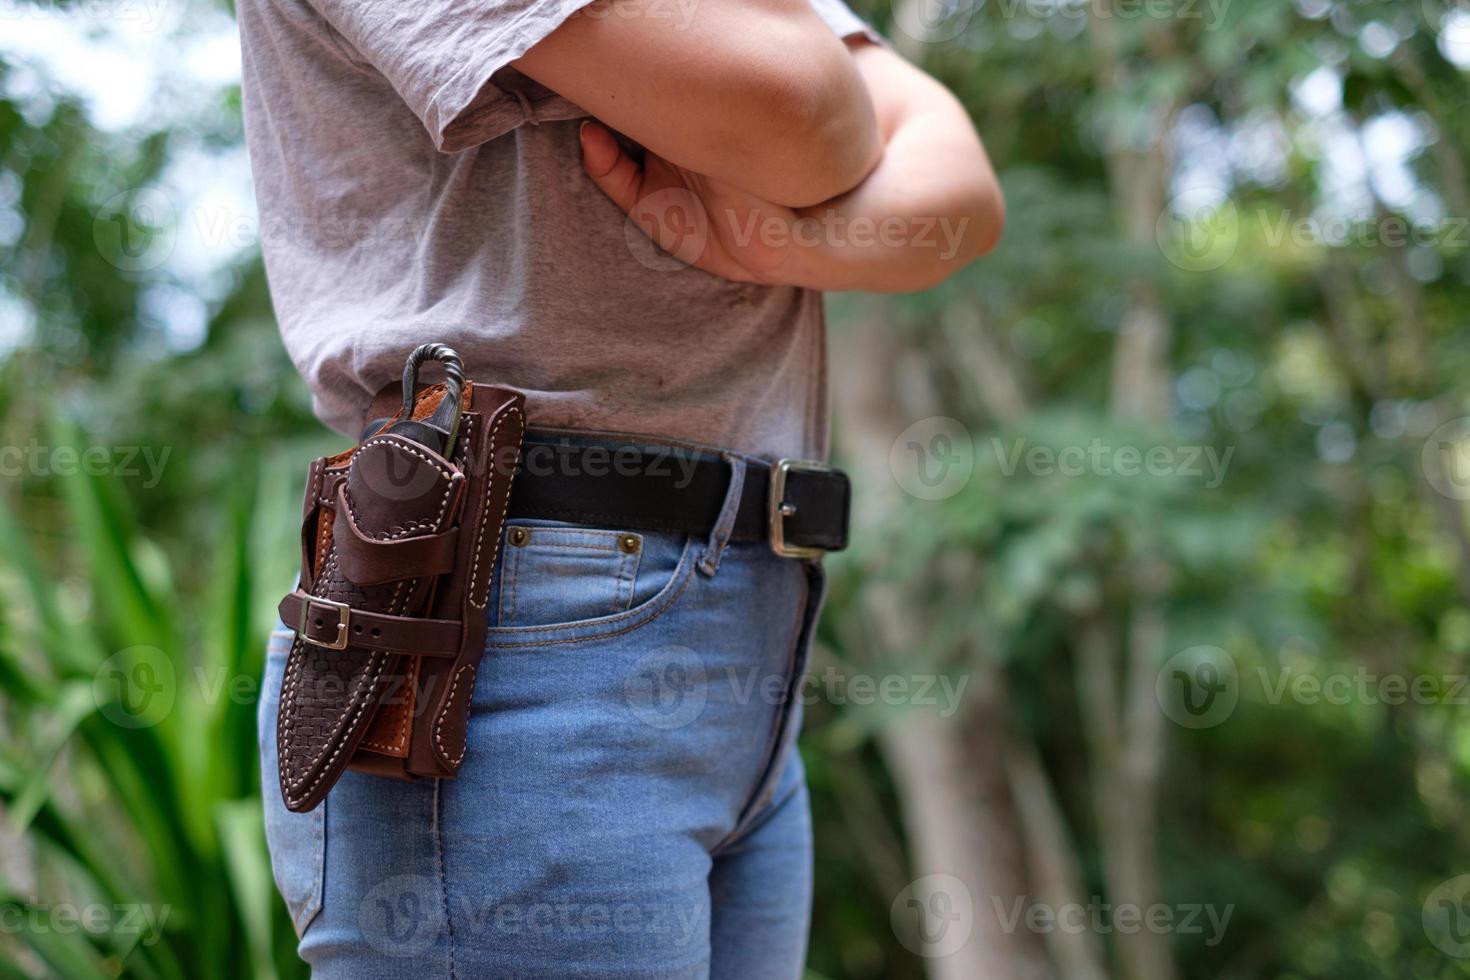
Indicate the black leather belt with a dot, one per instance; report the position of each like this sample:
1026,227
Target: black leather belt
800,508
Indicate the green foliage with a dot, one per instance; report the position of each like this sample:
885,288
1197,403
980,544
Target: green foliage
1313,367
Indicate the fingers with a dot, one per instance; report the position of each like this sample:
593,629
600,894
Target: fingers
611,169
654,196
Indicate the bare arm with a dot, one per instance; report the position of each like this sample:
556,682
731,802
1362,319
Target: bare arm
758,91
931,206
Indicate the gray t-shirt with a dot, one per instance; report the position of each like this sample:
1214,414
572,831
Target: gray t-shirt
412,187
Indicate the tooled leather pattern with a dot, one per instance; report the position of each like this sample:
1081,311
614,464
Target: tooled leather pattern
328,696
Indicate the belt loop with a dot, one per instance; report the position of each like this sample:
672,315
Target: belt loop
714,550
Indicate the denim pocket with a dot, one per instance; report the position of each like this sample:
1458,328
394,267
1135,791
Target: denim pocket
564,583
297,841
563,574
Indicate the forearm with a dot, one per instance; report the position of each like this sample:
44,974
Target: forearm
930,207
759,93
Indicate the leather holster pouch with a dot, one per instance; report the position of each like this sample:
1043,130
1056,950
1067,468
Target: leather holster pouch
398,545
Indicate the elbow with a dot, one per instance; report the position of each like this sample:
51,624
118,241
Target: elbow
981,224
830,145
818,133
987,217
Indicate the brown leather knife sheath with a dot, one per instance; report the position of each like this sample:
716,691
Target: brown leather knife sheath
397,549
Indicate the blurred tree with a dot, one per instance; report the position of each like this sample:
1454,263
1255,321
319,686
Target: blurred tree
1237,247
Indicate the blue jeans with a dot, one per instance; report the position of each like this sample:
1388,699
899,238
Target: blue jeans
631,804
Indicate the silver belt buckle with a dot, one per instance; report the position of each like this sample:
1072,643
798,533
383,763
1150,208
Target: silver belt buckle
344,616
779,510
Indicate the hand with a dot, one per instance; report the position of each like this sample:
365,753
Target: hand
707,223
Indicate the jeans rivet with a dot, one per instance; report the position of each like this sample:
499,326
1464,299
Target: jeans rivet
629,543
519,536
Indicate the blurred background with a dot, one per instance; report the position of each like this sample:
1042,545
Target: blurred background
1150,658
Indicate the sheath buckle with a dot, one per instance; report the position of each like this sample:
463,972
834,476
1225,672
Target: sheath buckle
344,617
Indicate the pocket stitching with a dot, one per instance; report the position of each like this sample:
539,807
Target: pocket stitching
627,580
634,618
624,574
508,586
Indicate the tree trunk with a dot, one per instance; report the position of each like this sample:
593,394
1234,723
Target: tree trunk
1138,168
960,817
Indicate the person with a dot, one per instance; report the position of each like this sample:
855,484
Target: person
627,210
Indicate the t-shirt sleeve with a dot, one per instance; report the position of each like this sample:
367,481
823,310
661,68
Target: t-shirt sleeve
844,23
439,55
